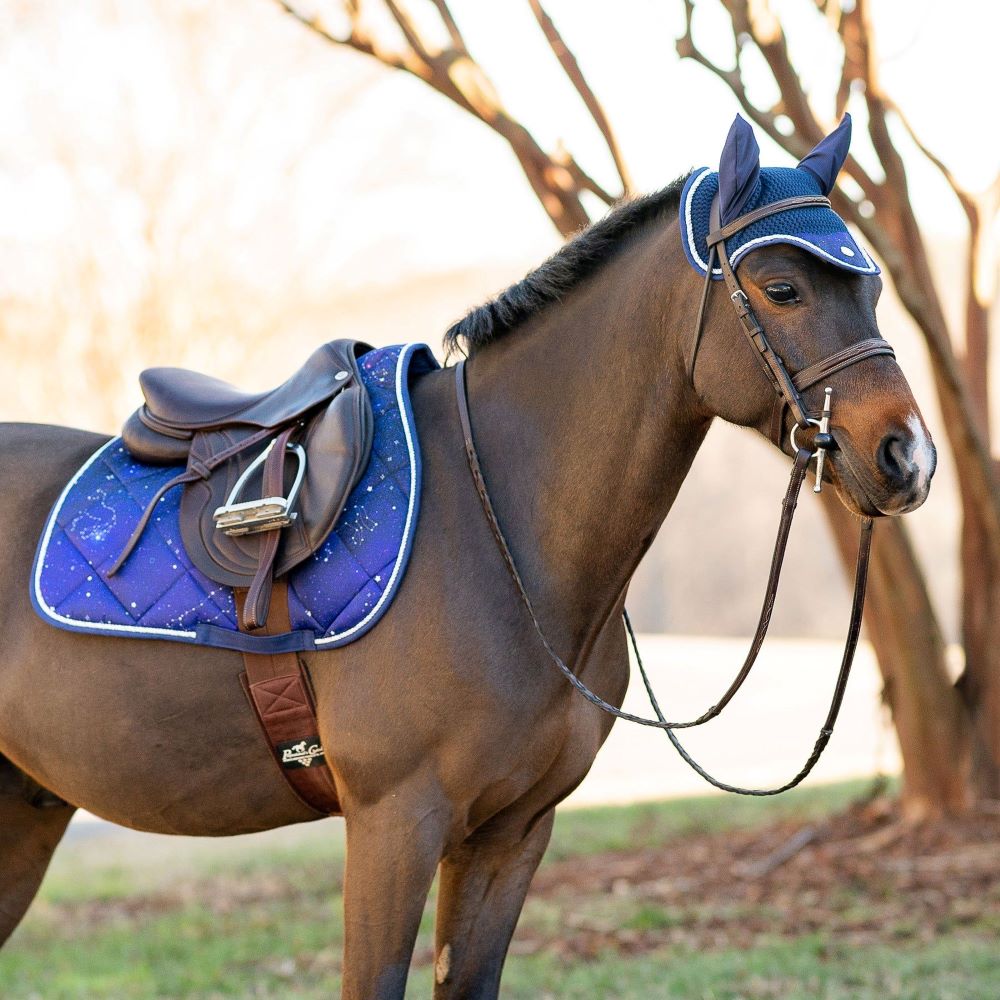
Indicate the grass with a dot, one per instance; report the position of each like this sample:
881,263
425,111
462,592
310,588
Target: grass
129,917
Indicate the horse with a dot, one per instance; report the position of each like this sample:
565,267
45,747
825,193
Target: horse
450,735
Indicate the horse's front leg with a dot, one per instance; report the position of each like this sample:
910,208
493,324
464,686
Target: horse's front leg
393,850
483,885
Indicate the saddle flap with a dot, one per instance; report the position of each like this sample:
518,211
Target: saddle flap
337,442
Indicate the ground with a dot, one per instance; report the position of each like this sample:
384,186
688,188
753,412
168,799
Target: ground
822,894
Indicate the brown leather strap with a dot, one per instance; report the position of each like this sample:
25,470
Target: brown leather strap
819,371
195,471
279,690
772,364
258,600
773,208
842,359
798,473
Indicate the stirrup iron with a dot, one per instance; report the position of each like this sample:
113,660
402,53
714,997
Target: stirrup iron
250,517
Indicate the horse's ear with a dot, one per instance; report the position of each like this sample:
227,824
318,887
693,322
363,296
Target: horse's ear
825,161
739,167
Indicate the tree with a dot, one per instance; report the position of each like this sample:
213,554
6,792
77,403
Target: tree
949,734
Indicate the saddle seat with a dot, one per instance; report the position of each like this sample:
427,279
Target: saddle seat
266,474
185,401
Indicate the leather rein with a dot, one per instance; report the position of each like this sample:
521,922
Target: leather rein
788,390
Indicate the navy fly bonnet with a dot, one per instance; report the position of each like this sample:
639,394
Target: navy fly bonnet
741,185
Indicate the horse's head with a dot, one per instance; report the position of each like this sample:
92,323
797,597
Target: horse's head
813,291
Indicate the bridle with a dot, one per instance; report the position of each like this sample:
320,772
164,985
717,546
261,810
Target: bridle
788,391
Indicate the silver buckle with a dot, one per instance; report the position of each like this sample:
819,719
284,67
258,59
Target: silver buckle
824,428
250,517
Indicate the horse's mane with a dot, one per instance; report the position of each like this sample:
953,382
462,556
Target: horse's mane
563,271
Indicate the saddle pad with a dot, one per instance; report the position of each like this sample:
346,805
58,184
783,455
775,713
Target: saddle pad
334,596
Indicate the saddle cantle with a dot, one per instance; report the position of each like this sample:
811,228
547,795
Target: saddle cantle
266,474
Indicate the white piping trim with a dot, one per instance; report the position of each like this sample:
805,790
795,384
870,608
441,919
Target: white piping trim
689,224
763,240
43,549
390,587
811,247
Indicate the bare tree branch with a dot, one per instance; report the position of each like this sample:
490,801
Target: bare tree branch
451,26
410,33
571,67
557,179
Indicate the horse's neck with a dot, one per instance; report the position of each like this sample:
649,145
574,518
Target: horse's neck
586,427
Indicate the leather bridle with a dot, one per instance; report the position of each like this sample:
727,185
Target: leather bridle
788,391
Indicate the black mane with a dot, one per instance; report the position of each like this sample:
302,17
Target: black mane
562,272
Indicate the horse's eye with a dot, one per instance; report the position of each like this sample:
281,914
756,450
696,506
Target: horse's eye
782,293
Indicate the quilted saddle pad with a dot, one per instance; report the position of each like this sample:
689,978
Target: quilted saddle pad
335,596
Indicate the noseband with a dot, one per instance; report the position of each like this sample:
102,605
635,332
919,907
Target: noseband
788,391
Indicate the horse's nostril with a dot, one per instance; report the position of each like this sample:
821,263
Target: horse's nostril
894,459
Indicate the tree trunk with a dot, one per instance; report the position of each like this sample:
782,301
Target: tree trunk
931,724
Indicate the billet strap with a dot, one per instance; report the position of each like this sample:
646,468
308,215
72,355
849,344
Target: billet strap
277,685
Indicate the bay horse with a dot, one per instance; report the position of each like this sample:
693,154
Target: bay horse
450,735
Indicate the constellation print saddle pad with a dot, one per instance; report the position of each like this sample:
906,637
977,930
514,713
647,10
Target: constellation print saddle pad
334,596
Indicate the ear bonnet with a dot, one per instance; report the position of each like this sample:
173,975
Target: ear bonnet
740,185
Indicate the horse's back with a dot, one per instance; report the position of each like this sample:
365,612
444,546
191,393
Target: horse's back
36,461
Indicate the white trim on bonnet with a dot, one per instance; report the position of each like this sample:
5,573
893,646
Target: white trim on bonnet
692,245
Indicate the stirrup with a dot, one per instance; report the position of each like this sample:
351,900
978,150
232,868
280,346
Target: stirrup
251,517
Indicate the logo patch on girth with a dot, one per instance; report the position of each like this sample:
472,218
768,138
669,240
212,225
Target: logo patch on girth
300,753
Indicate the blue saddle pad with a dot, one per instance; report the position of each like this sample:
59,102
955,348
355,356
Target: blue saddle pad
335,596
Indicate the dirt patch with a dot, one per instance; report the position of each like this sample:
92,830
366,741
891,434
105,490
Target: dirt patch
861,877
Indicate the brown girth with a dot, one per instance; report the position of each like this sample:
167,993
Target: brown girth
788,390
279,689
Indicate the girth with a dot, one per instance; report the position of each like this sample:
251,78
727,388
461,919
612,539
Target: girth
788,391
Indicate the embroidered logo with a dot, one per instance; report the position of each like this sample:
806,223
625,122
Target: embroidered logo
300,753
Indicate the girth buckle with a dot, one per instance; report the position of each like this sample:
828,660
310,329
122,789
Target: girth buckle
250,517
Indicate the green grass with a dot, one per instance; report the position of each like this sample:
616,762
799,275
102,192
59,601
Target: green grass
135,918
649,824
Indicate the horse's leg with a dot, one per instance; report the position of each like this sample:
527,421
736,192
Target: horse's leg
32,823
482,890
393,850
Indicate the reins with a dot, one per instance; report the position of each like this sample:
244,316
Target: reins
787,391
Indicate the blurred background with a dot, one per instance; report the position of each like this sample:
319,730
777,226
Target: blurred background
226,185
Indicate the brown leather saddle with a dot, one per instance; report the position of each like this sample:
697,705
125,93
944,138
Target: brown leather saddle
266,474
